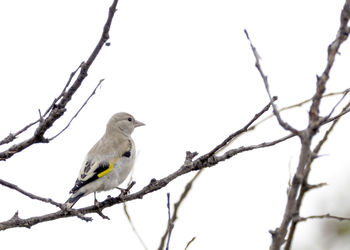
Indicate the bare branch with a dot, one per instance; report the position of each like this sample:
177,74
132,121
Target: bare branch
299,104
333,50
13,136
125,207
323,216
154,185
343,112
296,192
77,113
57,109
133,226
170,223
189,243
32,196
238,132
282,123
336,105
176,208
305,187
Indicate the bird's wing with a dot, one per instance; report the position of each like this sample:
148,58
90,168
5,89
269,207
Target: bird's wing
94,169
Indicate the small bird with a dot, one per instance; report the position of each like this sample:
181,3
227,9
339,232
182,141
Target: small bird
109,161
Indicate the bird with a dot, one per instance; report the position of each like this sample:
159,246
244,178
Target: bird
109,161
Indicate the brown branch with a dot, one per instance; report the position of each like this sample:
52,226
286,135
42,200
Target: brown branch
306,155
189,243
133,226
58,108
323,216
299,104
238,132
282,123
336,105
30,195
125,208
77,113
333,50
189,165
305,187
176,208
13,136
153,186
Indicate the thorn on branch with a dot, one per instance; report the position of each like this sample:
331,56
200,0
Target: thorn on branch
99,212
308,187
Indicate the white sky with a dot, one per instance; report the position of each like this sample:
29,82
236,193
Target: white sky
185,69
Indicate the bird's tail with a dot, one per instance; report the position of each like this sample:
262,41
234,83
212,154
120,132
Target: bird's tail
73,199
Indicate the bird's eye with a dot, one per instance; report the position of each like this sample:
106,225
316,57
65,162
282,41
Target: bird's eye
129,119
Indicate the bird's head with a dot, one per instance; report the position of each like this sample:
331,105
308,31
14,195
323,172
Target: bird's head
123,122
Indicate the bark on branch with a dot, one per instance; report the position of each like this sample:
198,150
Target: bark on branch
58,107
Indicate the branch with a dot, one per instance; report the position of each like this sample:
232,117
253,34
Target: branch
333,50
305,186
307,156
324,216
189,243
299,104
13,136
282,123
125,207
77,113
133,226
176,208
32,196
58,108
189,165
242,130
170,223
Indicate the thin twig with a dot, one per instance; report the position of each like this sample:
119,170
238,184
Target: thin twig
299,104
333,50
336,105
238,132
189,243
189,165
77,113
71,76
133,226
306,156
177,206
282,123
125,208
30,195
170,223
57,109
323,216
305,186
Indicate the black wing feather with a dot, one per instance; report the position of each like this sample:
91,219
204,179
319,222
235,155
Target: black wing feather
79,183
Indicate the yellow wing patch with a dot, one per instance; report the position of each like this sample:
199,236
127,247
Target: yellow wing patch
109,169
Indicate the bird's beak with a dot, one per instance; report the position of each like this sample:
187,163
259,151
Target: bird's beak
138,124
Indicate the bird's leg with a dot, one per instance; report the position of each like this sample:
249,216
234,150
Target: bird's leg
95,200
99,211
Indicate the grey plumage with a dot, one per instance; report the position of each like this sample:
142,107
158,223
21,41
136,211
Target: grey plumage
109,161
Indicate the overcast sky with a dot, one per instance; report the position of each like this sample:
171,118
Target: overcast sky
184,68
